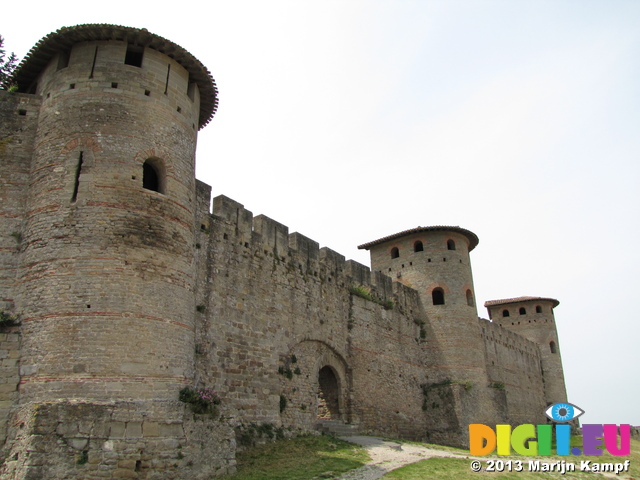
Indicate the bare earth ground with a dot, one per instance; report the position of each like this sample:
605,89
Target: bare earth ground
387,456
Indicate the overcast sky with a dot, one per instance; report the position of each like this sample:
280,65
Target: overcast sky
352,120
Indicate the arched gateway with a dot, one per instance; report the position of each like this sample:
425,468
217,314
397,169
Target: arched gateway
328,394
318,386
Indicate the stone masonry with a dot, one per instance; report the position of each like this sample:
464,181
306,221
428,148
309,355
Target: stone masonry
122,282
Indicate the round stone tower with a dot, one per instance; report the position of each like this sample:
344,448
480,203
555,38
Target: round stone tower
435,262
108,267
533,318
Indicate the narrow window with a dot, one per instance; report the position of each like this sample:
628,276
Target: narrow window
469,298
191,90
166,85
418,247
153,175
538,309
76,184
505,313
523,311
93,65
437,295
451,245
63,60
134,56
552,346
395,253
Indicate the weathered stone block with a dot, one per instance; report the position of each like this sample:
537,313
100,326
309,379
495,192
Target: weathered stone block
117,430
150,429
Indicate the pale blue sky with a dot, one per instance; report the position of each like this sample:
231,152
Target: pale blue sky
518,120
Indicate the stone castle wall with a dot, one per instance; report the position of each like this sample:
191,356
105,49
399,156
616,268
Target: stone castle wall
125,293
514,365
19,114
533,319
116,440
276,309
274,302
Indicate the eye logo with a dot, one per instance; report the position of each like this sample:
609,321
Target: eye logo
563,412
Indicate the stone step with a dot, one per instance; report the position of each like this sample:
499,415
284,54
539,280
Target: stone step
337,428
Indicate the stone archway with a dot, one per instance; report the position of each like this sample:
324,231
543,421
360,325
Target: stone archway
328,394
317,388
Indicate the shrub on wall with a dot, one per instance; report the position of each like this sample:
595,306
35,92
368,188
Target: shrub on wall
202,400
7,319
365,292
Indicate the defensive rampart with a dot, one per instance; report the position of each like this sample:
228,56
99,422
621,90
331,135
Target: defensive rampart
275,310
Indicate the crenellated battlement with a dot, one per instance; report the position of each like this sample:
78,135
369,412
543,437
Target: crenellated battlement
492,332
267,236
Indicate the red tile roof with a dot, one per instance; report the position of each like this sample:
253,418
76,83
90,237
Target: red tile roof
491,303
473,238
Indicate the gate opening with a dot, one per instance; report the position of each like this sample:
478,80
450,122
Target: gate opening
328,395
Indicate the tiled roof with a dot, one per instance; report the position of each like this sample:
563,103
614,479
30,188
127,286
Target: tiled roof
62,39
473,238
492,303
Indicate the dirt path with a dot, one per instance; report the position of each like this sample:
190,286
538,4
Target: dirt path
387,456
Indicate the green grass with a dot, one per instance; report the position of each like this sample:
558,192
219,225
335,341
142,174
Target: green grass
323,457
455,468
299,458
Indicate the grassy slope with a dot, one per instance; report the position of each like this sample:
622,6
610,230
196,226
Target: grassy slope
298,459
454,468
306,458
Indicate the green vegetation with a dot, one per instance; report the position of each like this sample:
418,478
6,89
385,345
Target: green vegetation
366,293
423,331
8,319
299,458
459,468
202,400
251,434
314,458
286,369
84,458
7,66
